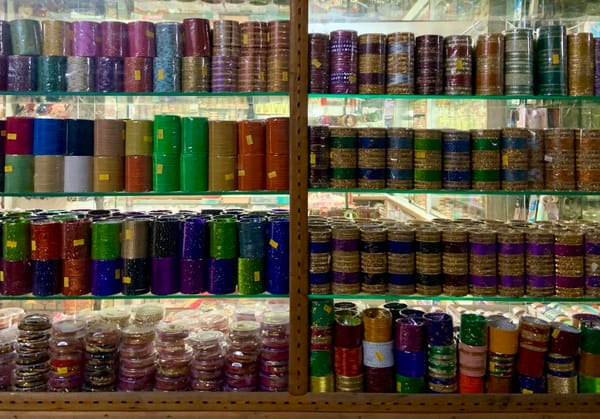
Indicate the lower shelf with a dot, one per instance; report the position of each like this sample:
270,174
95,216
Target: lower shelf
320,404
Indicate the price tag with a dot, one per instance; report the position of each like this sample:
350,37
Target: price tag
117,274
313,158
316,63
204,71
272,174
327,308
420,154
33,245
256,276
12,136
261,75
11,243
79,242
245,39
66,282
8,169
62,370
128,234
249,139
459,65
284,76
104,177
555,59
505,160
137,75
229,176
160,133
241,173
127,280
159,169
1,276
273,244
150,34
161,74
352,79
555,333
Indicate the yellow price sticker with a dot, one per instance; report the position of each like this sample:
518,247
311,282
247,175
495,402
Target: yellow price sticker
249,140
117,274
8,169
555,59
273,244
284,76
137,75
505,160
127,280
459,64
104,177
11,243
1,276
160,134
229,176
272,174
79,242
261,75
159,169
327,308
313,158
33,245
379,356
12,136
147,138
256,276
352,79
150,34
161,74
241,173
555,333
66,282
245,39
62,370
128,234
204,71
316,63
420,154
526,391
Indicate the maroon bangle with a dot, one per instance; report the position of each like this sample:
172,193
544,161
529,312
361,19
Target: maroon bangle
568,250
570,281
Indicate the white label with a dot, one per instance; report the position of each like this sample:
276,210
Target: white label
378,355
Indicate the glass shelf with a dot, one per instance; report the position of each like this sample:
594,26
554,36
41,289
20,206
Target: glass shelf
387,297
147,94
448,97
135,194
452,192
28,297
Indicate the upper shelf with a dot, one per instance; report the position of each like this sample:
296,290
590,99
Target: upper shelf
447,97
454,192
148,94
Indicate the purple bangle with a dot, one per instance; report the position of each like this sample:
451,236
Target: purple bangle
345,277
345,245
592,281
511,248
544,249
536,281
592,248
569,281
483,280
483,249
568,250
511,281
